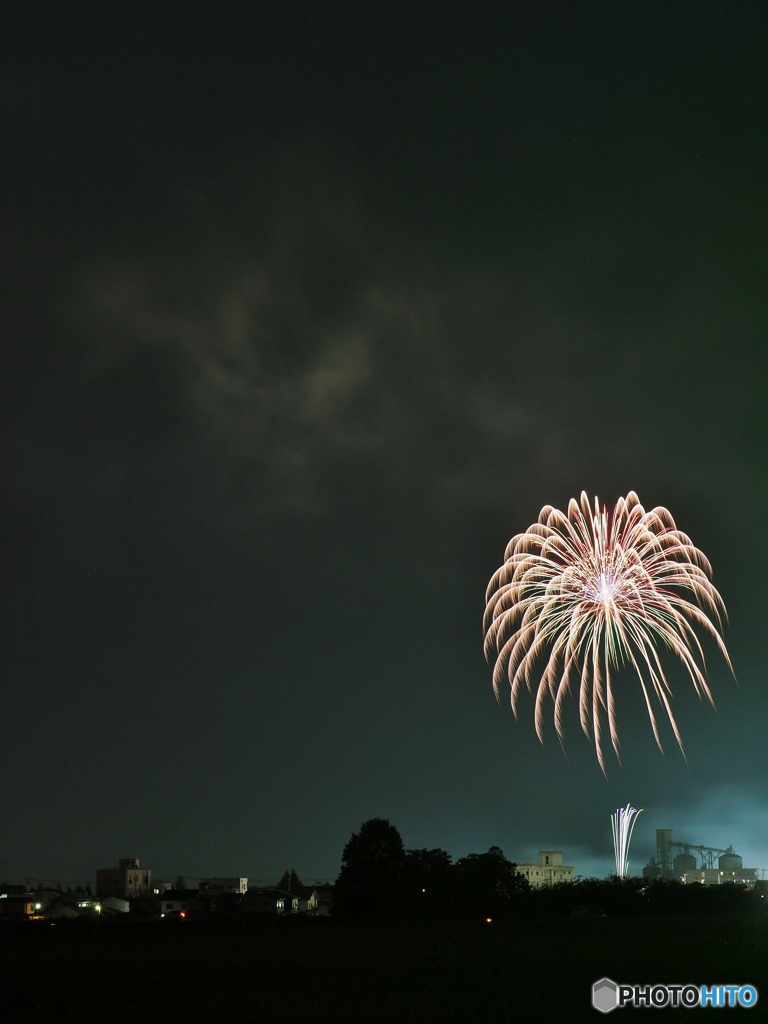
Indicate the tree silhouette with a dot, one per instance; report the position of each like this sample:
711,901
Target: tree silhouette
289,881
487,884
426,883
370,881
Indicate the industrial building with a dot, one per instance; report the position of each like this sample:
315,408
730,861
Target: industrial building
217,886
127,880
549,871
717,866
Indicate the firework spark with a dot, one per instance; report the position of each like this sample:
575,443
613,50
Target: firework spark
592,592
622,824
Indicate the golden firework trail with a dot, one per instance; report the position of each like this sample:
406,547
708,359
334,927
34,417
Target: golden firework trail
590,592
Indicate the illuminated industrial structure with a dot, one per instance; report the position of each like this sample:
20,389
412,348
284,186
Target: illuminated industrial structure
549,871
717,865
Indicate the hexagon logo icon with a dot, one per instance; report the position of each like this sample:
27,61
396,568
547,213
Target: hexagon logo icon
605,995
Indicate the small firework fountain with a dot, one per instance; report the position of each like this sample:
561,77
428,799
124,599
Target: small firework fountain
622,823
590,592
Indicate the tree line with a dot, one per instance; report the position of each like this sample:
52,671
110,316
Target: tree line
380,879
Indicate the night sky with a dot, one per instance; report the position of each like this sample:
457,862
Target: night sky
307,309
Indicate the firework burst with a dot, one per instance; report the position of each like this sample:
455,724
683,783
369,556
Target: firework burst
590,592
622,825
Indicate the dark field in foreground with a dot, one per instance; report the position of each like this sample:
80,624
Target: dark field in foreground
318,970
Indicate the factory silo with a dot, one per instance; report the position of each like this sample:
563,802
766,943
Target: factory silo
730,861
683,862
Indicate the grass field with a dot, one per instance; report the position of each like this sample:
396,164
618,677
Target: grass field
324,970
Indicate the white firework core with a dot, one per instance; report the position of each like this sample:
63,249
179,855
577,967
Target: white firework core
591,592
622,826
